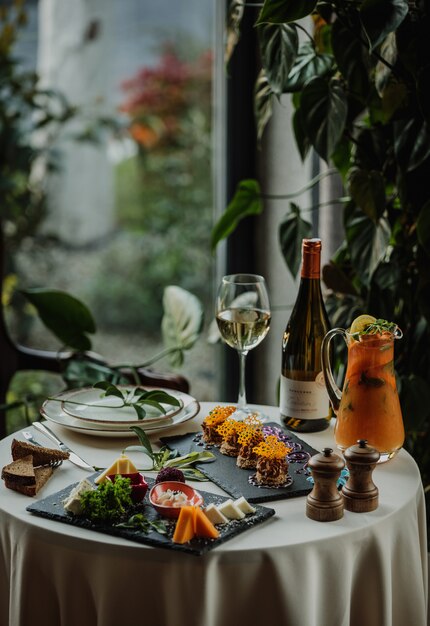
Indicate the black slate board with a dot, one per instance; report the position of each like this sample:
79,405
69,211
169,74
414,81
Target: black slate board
52,508
235,481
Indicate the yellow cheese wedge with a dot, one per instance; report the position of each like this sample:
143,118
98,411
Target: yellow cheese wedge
184,529
122,465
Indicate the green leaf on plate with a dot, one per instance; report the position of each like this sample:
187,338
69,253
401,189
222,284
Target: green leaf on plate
140,411
109,389
191,473
160,396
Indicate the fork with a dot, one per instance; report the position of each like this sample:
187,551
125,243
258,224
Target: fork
29,437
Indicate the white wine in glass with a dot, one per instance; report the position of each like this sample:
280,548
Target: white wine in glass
243,317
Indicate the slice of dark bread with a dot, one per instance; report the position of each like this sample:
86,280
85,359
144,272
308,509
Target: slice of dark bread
20,471
41,456
41,476
17,476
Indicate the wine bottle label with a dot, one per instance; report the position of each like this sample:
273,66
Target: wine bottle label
304,399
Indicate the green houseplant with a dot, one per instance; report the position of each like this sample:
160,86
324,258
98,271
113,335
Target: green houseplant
358,75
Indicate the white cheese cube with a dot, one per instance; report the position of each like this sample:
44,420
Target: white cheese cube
215,516
243,504
230,510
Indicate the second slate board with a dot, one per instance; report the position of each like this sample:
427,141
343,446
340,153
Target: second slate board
235,481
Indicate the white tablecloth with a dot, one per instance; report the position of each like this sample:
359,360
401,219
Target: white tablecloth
365,569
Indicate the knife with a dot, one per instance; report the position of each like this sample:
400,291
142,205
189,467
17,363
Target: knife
74,458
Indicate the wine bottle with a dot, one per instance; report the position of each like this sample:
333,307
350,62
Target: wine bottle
304,402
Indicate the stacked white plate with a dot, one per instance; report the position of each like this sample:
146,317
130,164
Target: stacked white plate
89,411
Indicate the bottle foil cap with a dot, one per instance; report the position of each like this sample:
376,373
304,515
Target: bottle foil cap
311,258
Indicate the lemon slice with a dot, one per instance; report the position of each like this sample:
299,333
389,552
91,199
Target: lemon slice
361,323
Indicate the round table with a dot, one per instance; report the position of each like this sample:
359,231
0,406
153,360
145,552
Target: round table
365,569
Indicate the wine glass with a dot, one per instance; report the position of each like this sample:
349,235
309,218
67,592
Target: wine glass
243,316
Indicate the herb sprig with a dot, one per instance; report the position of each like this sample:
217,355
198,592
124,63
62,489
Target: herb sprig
135,397
378,327
139,521
170,458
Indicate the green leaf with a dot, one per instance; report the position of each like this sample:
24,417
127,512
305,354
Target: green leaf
352,60
64,315
423,227
246,201
279,45
308,65
368,243
381,17
140,411
282,11
302,140
109,389
159,396
182,321
291,232
383,74
411,143
191,473
368,192
263,108
144,440
324,110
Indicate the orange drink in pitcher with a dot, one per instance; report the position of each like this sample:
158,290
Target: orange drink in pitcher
369,407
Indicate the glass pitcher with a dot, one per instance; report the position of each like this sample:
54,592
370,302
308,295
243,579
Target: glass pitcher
369,407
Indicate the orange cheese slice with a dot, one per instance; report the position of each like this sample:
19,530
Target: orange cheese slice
203,527
184,529
192,522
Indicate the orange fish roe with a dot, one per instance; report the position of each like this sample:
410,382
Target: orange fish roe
272,448
230,427
218,415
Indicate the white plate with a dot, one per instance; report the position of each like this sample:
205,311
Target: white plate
52,411
108,410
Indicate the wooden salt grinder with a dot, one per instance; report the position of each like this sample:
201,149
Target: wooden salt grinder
324,503
360,494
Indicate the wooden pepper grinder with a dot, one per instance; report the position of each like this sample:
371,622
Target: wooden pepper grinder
324,503
360,494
